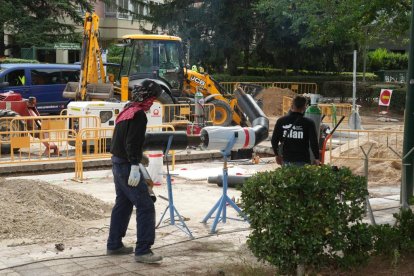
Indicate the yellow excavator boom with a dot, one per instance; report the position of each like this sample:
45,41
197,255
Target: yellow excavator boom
92,83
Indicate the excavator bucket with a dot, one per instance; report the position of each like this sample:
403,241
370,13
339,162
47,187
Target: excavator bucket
100,91
251,89
94,91
71,90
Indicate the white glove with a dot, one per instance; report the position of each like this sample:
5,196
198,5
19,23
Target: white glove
134,176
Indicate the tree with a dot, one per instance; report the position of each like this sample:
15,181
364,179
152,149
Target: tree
38,22
333,26
220,31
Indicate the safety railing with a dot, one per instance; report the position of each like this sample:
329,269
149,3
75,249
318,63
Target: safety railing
34,139
94,144
297,87
91,144
332,112
184,114
231,86
387,145
286,104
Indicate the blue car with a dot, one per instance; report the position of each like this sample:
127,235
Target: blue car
46,82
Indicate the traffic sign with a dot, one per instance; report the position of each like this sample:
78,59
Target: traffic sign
385,97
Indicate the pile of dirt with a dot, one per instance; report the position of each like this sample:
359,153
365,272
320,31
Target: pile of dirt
272,99
380,172
39,211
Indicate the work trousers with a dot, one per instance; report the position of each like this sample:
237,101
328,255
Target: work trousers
126,198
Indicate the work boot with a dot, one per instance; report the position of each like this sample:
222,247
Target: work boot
148,258
120,251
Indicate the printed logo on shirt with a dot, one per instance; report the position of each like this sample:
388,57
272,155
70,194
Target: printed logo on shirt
295,132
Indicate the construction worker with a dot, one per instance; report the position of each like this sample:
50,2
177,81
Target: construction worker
22,80
293,135
131,189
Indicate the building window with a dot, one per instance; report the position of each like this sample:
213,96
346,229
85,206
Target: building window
111,9
117,9
123,8
139,10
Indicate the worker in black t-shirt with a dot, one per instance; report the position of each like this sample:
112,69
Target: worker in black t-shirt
293,135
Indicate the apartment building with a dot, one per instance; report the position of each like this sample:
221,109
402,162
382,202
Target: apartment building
114,23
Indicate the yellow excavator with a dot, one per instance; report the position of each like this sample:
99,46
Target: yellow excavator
156,57
161,58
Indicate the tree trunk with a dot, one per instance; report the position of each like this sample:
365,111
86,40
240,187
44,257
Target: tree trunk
2,45
246,60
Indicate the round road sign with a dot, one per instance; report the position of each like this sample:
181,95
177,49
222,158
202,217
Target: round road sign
385,97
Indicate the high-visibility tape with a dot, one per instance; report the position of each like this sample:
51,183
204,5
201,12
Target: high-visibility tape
246,142
155,155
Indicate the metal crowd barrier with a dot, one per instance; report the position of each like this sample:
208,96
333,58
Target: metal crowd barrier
184,114
387,145
33,139
332,112
286,104
94,143
297,87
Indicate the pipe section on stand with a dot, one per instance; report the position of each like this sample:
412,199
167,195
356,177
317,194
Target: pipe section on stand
159,140
217,138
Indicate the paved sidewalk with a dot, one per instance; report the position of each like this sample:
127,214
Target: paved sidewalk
206,254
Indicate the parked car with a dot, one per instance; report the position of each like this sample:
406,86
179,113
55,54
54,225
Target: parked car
46,82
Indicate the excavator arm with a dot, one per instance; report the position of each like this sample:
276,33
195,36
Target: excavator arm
92,84
227,111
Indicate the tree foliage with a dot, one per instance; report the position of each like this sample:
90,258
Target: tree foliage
316,35
219,30
38,22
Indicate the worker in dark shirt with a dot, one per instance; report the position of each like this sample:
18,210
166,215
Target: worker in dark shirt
131,189
293,135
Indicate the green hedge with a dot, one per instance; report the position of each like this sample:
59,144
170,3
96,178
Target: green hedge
381,59
312,216
17,60
319,80
309,216
295,78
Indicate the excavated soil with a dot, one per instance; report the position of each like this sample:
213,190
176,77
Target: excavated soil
272,99
381,172
37,210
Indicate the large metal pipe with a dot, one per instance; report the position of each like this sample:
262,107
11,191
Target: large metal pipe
255,115
159,140
218,137
232,180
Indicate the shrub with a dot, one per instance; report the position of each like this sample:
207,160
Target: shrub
398,238
307,215
320,80
381,59
17,60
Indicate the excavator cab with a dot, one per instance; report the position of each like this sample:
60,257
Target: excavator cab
157,57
